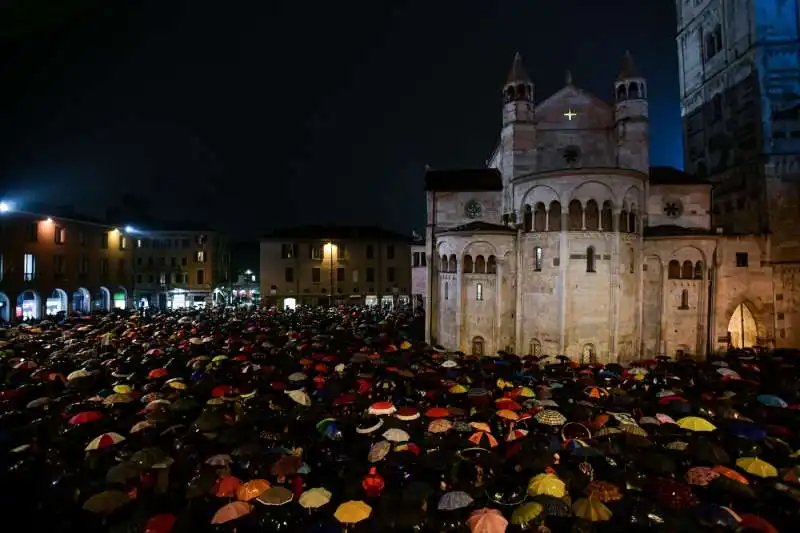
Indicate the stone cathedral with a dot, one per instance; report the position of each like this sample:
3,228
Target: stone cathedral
570,243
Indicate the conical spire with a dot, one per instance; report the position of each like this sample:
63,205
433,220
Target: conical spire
568,78
517,73
628,68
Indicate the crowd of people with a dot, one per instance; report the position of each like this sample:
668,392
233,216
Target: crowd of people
344,420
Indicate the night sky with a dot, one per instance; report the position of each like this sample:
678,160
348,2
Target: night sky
253,114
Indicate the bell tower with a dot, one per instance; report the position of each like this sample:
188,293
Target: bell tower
517,148
631,117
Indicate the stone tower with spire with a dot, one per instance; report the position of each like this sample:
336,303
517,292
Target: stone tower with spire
630,113
516,153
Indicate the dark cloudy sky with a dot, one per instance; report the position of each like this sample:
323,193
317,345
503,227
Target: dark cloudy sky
252,114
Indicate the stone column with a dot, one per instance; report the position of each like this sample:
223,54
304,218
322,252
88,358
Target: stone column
459,291
518,294
562,282
664,302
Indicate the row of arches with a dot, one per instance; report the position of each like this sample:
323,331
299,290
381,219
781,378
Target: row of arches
592,217
480,265
29,304
687,270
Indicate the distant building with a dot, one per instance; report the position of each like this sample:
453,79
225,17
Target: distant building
317,265
419,272
51,264
178,269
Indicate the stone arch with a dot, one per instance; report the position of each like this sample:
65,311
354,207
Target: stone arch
119,299
633,90
484,248
478,346
592,189
698,270
554,216
623,218
687,270
757,312
607,216
742,327
622,92
5,308
30,303
690,252
452,263
480,265
539,217
674,269
57,302
103,299
443,264
467,265
527,217
540,193
81,300
575,216
491,265
592,215
535,347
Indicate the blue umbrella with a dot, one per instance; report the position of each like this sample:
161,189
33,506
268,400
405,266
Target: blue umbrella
771,400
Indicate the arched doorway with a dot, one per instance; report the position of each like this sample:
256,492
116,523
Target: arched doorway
120,298
477,346
742,328
5,308
29,305
535,348
102,300
588,354
81,300
57,302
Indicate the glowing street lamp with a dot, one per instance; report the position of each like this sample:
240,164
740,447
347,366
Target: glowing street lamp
329,249
48,220
5,207
129,229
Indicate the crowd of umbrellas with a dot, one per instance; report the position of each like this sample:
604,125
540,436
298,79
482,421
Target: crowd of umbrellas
340,420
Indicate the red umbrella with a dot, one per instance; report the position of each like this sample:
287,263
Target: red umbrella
160,523
672,494
85,417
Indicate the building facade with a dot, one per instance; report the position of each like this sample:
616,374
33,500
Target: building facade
739,78
419,273
569,243
52,265
180,269
335,266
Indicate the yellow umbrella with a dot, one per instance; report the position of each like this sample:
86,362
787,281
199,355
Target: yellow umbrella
591,509
547,484
123,389
756,467
118,398
457,389
527,513
525,392
315,498
695,423
352,512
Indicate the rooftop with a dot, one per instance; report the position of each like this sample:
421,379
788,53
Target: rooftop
336,232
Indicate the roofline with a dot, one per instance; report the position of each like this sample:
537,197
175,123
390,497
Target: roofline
583,170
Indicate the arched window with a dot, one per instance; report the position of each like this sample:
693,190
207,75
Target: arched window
687,272
622,93
491,265
623,221
479,292
684,299
452,263
592,216
446,290
539,217
606,221
480,265
633,90
527,217
674,270
467,267
633,223
443,266
554,216
537,258
698,270
590,259
575,216
588,354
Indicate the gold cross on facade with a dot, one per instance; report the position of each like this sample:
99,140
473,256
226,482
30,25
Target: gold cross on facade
569,114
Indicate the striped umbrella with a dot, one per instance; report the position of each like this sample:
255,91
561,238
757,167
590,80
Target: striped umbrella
104,441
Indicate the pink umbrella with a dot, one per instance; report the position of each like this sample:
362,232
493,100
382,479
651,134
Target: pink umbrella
487,521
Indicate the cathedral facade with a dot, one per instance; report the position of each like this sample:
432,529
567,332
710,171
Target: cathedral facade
570,243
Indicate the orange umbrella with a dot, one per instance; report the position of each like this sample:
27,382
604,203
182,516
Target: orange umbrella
508,414
252,489
227,486
732,474
437,412
231,511
487,521
482,438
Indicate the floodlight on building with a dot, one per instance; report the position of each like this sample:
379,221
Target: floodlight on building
5,207
48,220
130,229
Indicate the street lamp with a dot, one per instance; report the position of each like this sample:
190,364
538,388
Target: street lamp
5,207
329,249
